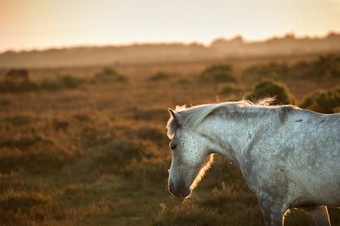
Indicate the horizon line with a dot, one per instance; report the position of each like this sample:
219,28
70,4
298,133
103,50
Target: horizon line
197,42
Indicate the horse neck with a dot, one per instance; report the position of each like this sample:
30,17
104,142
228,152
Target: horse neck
231,132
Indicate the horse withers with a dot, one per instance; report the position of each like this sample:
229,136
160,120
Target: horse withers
289,157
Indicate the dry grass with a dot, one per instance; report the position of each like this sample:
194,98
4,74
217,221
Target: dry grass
97,154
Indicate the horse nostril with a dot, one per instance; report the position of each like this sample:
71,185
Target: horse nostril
179,191
173,146
185,192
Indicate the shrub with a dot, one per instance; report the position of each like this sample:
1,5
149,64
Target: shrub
17,207
218,73
325,66
109,75
9,86
225,206
21,201
69,81
325,101
92,137
77,190
271,70
300,69
23,143
36,163
63,81
159,76
153,134
229,89
60,125
20,120
182,81
51,85
271,88
121,153
151,114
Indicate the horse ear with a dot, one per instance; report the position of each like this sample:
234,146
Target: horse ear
177,118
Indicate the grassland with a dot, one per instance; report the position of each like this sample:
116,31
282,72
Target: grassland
97,153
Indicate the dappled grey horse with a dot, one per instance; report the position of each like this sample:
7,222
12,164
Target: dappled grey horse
289,157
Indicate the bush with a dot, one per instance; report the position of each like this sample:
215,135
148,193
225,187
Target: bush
9,86
69,81
151,114
51,85
271,88
218,73
63,81
109,75
325,66
325,101
20,120
21,201
153,134
229,89
225,206
159,76
16,206
271,70
121,153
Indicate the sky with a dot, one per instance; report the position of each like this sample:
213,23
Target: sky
41,24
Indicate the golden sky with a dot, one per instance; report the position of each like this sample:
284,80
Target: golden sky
29,24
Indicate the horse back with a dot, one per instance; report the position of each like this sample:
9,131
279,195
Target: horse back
312,155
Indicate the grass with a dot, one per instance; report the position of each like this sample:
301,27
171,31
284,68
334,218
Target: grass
95,151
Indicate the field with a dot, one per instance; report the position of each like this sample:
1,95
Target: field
88,145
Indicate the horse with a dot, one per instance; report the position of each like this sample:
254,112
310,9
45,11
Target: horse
289,157
18,74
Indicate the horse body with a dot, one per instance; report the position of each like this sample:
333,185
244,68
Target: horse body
288,156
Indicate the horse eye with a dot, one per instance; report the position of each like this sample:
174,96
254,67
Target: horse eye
173,146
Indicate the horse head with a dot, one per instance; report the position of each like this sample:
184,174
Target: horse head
190,156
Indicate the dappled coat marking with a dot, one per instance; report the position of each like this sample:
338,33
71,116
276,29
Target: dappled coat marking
289,157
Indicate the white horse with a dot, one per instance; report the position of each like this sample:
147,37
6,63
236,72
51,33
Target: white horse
289,157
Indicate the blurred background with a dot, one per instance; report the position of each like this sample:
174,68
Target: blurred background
85,87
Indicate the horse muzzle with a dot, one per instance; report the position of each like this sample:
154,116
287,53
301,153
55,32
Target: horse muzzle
179,190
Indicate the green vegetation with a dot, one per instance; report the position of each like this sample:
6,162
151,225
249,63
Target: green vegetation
327,101
66,81
7,86
271,88
109,75
79,150
160,76
218,73
324,67
272,70
229,89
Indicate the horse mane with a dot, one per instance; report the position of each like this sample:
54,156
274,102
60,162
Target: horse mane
195,115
